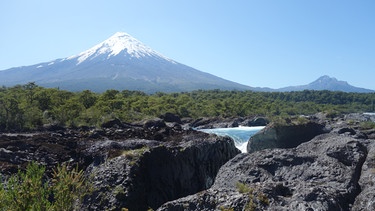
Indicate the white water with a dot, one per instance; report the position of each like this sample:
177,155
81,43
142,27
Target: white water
240,135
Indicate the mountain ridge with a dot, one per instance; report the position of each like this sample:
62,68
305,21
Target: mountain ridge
326,83
123,62
119,62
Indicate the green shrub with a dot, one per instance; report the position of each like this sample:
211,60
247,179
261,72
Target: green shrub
256,199
243,188
30,190
25,190
133,154
68,187
225,209
367,125
263,199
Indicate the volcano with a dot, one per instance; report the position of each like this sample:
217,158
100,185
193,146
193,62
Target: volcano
121,62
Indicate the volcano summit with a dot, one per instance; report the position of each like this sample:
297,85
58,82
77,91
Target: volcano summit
120,62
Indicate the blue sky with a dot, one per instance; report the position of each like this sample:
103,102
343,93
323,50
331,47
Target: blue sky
260,43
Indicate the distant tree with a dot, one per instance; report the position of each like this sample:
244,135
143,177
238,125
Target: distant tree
30,90
87,98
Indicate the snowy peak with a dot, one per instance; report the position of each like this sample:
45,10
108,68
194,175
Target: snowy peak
120,62
119,43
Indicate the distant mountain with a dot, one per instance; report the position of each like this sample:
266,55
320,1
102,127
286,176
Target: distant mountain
326,83
120,62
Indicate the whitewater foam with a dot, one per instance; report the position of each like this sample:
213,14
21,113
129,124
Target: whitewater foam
240,135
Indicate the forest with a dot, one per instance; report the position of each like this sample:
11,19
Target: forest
29,107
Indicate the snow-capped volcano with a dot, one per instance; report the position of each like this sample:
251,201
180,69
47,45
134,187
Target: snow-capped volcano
120,62
120,42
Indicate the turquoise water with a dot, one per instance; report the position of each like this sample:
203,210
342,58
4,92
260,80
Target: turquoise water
240,135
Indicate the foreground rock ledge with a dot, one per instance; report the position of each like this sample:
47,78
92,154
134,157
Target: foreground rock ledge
133,167
154,173
322,174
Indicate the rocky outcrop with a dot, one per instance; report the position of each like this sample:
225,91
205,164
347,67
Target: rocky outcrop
322,174
130,166
256,121
366,199
161,164
170,117
48,149
150,175
284,136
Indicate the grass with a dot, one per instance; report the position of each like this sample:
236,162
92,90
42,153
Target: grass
133,153
367,125
254,197
243,188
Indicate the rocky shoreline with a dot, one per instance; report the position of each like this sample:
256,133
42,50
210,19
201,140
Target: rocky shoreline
164,164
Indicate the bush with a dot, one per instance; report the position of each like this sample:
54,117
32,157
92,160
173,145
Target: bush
30,190
243,188
25,190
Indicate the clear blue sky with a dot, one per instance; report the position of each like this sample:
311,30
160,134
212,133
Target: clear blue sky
260,43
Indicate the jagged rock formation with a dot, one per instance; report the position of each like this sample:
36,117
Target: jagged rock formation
366,199
157,164
284,136
154,173
322,174
130,166
333,171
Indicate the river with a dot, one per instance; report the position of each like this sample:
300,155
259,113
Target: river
240,135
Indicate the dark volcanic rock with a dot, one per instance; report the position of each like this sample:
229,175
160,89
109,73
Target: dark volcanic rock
153,124
284,136
322,174
257,121
114,123
149,176
49,149
145,165
134,167
366,199
170,117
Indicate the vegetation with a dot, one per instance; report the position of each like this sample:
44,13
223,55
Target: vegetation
367,125
243,188
30,190
255,197
30,106
134,153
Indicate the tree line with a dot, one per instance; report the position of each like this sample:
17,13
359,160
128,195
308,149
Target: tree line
26,107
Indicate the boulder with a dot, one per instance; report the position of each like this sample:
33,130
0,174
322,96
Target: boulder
53,127
170,117
256,121
322,174
284,136
154,124
114,123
